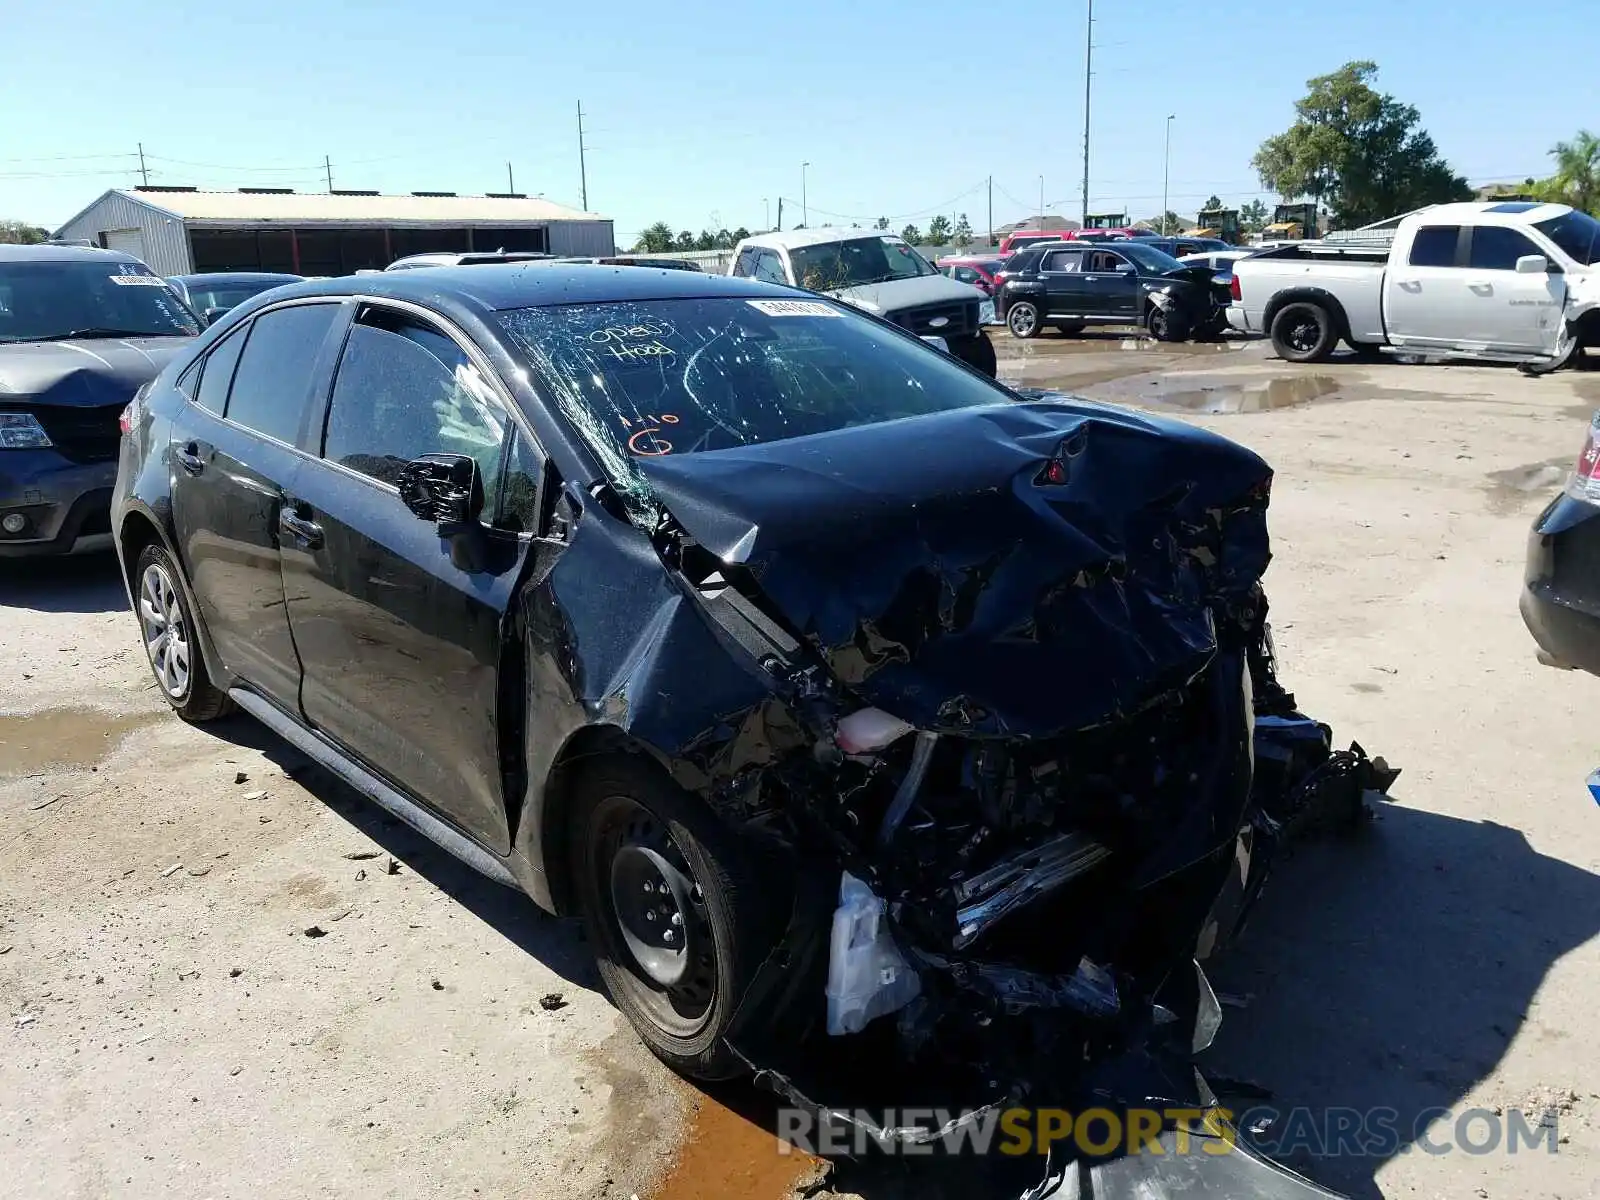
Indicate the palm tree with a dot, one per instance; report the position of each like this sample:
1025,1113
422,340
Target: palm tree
1577,174
656,238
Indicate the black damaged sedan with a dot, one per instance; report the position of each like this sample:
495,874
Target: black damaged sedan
688,604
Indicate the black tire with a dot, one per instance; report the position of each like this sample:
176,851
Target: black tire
977,351
621,808
1550,365
1304,332
1069,328
171,638
1023,319
1165,324
1366,351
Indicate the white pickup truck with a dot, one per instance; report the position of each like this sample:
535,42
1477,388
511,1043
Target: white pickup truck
1506,282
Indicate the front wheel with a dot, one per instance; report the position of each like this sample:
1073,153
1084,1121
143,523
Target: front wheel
1022,319
678,915
1165,325
170,642
1303,332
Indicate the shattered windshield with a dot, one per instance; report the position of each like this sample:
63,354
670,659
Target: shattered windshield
647,378
48,300
857,261
1578,235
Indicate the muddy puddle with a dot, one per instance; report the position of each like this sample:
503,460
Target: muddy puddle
1217,395
64,738
1517,488
727,1156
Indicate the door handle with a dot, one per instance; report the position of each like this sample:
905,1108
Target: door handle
1482,289
189,459
1411,285
304,530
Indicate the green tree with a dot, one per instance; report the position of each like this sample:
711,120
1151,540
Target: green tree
655,238
883,223
685,241
1169,224
1253,216
738,235
1577,178
962,235
20,233
1358,151
912,234
939,231
706,241
1214,202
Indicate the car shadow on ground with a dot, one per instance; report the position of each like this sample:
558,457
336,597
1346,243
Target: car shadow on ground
87,583
1389,970
555,942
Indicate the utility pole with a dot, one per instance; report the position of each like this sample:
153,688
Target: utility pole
143,173
583,171
1088,74
1166,167
511,182
805,213
327,165
991,210
1041,204
766,205
780,215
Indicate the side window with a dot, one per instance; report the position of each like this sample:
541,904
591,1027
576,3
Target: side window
967,275
769,267
1435,246
519,497
1062,260
216,373
273,380
403,390
745,266
1496,248
1105,262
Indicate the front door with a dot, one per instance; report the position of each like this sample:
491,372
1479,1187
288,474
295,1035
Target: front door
1061,272
1112,285
233,461
1505,310
401,634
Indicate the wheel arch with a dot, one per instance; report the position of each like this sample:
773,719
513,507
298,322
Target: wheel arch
139,528
1315,295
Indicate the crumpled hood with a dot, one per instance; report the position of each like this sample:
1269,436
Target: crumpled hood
897,295
944,583
85,373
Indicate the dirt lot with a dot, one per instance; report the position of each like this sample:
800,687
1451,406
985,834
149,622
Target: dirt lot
223,975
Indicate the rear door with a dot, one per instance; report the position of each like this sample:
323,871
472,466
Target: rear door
1519,313
1428,302
1061,272
234,458
399,630
1111,285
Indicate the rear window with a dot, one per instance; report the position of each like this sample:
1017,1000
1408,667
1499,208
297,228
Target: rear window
649,378
44,300
272,382
1435,246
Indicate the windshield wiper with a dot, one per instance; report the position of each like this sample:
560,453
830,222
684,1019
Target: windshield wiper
98,332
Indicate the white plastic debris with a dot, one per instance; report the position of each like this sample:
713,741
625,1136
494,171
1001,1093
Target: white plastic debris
867,974
869,729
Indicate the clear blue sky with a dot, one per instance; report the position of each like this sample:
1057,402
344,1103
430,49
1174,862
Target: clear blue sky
697,111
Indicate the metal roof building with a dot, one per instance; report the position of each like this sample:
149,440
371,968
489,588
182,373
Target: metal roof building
179,231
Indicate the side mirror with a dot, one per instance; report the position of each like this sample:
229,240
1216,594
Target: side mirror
1532,264
212,315
446,489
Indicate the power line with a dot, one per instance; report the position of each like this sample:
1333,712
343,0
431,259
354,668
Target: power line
921,212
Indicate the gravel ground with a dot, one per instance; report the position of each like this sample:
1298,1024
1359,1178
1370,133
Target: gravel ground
222,974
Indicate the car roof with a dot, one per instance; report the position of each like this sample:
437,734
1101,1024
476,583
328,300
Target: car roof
788,239
47,252
237,277
536,285
1510,212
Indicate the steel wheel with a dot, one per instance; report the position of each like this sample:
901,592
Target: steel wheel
657,917
1023,319
166,634
1303,335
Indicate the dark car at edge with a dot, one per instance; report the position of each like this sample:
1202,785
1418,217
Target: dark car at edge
1561,578
213,293
1070,285
81,330
680,601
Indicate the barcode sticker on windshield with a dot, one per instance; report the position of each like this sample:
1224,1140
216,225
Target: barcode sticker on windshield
794,308
139,280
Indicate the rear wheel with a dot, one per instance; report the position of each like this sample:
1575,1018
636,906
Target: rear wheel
170,642
1022,319
672,906
1303,332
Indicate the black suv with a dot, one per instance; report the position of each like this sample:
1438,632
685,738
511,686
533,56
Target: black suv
671,598
1068,285
81,330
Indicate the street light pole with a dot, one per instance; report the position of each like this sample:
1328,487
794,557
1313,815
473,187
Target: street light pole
1166,166
1041,204
766,204
805,216
1088,74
